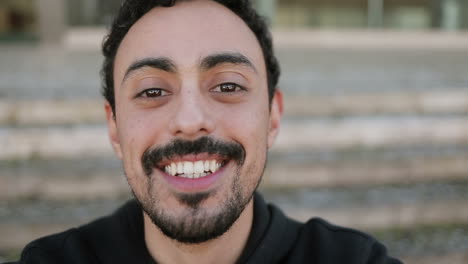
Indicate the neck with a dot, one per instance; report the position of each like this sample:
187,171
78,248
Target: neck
225,249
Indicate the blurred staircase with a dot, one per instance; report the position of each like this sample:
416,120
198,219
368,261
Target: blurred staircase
372,139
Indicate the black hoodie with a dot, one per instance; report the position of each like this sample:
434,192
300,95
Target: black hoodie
274,238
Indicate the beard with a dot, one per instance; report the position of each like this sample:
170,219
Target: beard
196,223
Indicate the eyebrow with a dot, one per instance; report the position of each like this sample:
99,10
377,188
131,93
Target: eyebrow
161,63
209,62
214,60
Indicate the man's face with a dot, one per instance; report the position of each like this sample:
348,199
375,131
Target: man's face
192,120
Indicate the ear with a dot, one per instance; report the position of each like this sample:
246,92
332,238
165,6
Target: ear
112,130
275,117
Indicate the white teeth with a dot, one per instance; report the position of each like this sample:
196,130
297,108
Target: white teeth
188,167
193,170
180,167
213,166
199,167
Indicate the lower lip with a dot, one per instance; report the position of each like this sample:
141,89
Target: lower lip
194,185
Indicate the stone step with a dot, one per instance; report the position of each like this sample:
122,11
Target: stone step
395,209
58,72
348,39
378,207
51,112
88,178
389,216
371,132
62,180
296,135
54,142
90,38
428,244
85,111
347,71
444,101
349,173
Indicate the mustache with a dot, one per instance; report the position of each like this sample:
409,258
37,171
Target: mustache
180,147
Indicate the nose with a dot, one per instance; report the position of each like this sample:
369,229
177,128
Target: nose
192,117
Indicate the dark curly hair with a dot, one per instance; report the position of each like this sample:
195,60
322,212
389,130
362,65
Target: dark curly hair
132,10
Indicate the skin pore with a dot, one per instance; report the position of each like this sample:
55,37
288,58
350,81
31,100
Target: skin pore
190,71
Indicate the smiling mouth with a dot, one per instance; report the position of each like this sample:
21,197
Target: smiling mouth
193,169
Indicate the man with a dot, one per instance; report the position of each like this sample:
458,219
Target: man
192,108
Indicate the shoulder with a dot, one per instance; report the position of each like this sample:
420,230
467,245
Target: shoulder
53,248
328,243
77,245
333,235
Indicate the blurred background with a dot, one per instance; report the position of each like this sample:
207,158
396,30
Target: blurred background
375,133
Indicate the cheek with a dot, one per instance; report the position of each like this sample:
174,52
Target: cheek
248,125
136,135
128,129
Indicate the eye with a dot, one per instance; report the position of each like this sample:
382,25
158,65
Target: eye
228,88
153,93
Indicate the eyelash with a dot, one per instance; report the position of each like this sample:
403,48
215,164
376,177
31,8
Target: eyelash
161,93
237,88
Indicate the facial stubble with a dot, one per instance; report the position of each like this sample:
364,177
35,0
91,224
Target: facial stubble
197,224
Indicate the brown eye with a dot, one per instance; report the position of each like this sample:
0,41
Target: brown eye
153,92
227,88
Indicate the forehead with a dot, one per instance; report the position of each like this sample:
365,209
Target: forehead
187,32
